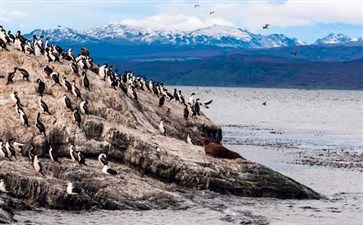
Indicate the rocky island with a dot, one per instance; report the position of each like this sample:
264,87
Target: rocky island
153,170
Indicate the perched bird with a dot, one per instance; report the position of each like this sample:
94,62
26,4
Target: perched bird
73,190
191,99
189,140
15,98
40,125
67,85
55,78
53,155
17,145
67,102
37,165
77,117
43,105
266,26
2,186
23,118
41,87
162,128
11,36
107,170
81,158
77,156
31,154
19,109
75,91
73,153
23,72
181,97
85,81
3,151
196,108
161,100
176,96
74,67
186,112
71,54
84,107
102,158
11,76
10,149
47,70
3,45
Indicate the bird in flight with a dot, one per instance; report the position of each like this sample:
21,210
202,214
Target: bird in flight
266,26
294,53
196,6
212,12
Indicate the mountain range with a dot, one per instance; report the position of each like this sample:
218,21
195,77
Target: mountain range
205,56
216,35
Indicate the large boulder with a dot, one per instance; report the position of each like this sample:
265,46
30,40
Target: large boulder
149,164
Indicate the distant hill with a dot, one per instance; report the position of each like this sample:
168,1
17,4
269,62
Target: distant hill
254,71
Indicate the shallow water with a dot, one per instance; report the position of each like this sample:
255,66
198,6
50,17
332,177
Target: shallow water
292,124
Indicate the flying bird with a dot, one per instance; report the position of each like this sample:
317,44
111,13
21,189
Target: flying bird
294,53
212,12
196,6
266,26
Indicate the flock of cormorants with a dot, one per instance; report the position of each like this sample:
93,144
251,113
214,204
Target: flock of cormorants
126,82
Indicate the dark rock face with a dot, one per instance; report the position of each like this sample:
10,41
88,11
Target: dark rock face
150,166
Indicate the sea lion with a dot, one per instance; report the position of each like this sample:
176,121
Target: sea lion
218,151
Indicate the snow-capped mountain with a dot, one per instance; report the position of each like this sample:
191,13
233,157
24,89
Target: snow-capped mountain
63,34
213,36
216,35
333,39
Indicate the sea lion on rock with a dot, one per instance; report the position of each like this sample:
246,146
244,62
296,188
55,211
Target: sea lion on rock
218,151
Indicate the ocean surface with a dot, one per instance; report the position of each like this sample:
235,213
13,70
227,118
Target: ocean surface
312,136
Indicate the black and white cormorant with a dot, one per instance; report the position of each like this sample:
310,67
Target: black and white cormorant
40,125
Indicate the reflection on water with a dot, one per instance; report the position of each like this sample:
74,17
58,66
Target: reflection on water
292,123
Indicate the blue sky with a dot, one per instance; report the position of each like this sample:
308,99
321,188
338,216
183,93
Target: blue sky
306,20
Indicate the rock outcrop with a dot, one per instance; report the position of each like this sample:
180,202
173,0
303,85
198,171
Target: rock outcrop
150,166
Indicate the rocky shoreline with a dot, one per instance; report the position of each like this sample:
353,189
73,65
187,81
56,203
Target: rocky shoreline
150,166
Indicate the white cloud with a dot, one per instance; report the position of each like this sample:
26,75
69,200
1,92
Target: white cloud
9,16
252,15
293,13
17,14
175,22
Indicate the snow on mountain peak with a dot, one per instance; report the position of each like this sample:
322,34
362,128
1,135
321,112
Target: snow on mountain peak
333,39
219,31
216,35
